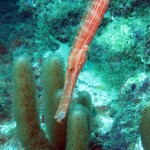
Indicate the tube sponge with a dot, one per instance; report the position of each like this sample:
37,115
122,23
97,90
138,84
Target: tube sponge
145,128
24,107
79,122
84,98
52,75
58,130
25,111
77,128
53,81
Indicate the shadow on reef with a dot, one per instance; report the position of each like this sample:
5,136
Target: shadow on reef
132,117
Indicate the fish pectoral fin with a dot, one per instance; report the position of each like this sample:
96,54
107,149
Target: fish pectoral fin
85,48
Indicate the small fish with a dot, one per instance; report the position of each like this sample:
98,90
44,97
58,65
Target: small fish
100,87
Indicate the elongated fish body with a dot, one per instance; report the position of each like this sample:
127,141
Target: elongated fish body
89,24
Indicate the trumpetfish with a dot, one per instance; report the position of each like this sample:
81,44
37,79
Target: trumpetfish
89,24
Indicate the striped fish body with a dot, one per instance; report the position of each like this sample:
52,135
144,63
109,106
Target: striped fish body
89,24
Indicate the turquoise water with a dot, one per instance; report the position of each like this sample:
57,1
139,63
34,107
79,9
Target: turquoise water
116,73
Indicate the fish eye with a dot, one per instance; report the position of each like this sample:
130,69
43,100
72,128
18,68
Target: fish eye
70,69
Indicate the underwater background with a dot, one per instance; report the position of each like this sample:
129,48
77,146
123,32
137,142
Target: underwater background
116,74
